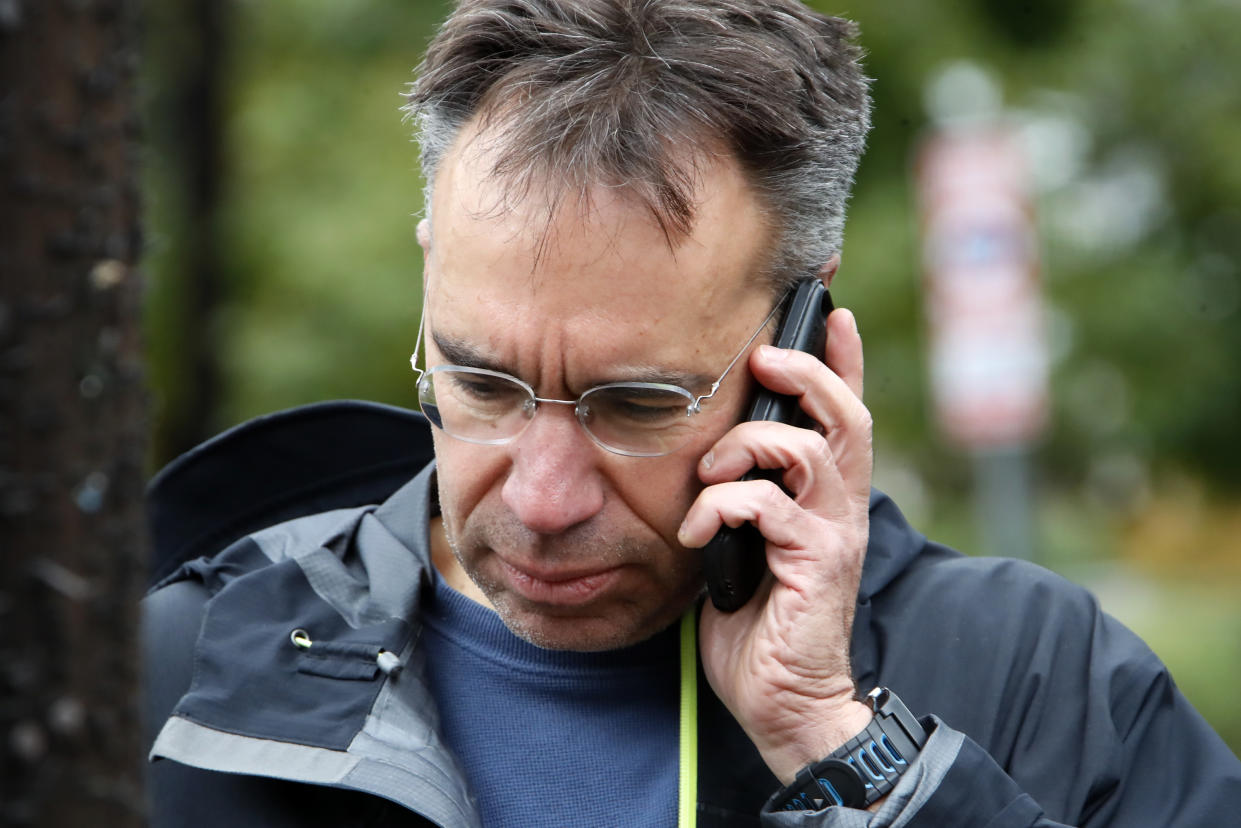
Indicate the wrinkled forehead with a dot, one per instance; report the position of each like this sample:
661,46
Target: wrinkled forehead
478,181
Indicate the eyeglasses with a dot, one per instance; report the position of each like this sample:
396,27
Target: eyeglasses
635,419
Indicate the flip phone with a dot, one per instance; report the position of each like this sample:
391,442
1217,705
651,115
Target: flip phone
735,560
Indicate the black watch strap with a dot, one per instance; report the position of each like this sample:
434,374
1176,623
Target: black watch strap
866,767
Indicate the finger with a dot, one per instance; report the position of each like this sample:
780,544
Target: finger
804,456
844,349
732,504
797,542
825,395
828,399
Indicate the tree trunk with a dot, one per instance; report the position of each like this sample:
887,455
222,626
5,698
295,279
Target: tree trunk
183,84
72,409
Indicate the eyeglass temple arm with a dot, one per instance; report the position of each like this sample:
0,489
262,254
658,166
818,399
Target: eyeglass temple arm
696,405
422,321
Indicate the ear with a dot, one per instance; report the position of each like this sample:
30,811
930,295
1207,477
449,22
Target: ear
424,237
828,271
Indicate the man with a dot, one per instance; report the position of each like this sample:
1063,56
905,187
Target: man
620,193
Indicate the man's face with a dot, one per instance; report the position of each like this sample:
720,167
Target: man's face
575,546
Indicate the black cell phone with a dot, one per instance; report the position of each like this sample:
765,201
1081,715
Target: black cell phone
735,560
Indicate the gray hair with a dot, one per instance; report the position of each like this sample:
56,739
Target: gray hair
636,93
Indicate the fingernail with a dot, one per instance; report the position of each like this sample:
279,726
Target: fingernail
682,532
708,459
772,353
853,321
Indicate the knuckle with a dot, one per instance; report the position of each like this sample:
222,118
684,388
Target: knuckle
820,450
865,419
803,363
770,492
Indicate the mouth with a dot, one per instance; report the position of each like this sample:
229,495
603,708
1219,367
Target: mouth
564,587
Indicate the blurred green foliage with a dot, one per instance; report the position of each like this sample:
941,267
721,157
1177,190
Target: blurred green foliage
1131,109
320,195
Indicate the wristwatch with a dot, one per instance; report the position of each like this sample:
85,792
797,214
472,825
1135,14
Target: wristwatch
864,768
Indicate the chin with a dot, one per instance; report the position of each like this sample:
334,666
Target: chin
581,633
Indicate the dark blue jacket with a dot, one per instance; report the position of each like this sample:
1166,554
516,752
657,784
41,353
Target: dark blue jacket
1046,711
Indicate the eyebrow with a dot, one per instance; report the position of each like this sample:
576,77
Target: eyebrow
459,352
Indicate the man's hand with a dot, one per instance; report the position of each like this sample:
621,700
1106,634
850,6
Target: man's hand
781,662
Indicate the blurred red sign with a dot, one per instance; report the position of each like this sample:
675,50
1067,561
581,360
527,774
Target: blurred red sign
985,317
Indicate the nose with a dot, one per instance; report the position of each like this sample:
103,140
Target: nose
554,480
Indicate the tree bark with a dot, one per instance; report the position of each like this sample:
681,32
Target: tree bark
72,415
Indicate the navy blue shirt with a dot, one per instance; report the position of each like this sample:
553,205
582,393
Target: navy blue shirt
554,738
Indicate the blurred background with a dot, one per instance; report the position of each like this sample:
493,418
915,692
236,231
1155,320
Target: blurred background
282,193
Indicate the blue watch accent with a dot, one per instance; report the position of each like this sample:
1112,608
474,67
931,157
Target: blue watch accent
830,790
893,752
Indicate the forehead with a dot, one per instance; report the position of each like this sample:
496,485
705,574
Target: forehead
595,269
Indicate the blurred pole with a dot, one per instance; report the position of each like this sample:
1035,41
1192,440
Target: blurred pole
988,356
1002,501
187,65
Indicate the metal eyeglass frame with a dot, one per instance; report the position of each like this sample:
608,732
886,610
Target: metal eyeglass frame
692,408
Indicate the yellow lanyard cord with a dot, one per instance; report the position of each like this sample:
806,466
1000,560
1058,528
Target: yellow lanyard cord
687,791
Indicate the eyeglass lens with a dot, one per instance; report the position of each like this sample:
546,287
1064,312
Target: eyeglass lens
630,418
